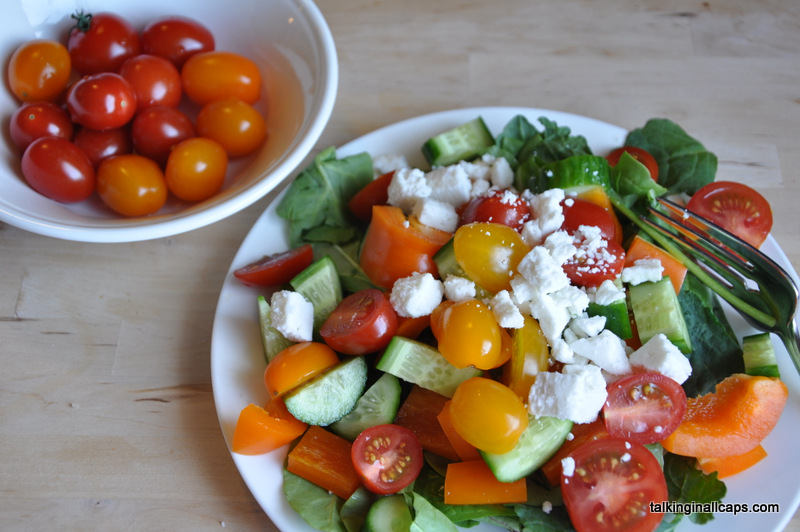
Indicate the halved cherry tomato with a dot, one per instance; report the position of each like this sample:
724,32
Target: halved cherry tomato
375,193
297,364
39,70
592,265
276,269
387,457
131,185
468,334
33,120
209,76
101,101
155,81
612,486
644,407
100,145
59,170
361,323
530,356
196,169
101,42
643,156
735,207
581,433
489,253
261,430
488,415
497,206
236,125
158,129
578,212
176,39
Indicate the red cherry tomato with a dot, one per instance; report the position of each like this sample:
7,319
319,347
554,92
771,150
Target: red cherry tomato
39,70
39,119
196,169
497,206
578,212
376,192
155,81
276,269
100,145
361,323
101,42
209,76
176,39
59,170
640,155
735,207
612,486
101,101
156,130
131,185
590,266
387,457
644,407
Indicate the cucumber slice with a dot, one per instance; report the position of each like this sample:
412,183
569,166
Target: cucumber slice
759,355
543,437
377,406
656,310
320,284
618,320
423,365
460,143
274,342
578,170
330,395
389,514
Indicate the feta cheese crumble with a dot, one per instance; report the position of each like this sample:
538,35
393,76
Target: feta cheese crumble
292,315
458,288
660,355
577,393
416,295
643,270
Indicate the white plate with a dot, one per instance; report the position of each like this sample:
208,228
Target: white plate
237,362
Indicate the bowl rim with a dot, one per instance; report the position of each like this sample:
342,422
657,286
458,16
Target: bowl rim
141,229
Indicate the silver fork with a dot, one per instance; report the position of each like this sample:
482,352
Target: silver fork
757,287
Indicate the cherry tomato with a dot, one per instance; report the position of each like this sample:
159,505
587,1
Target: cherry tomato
376,192
497,206
34,120
578,212
644,407
154,80
39,70
276,269
468,335
156,130
100,145
101,101
387,457
639,154
487,414
612,486
237,126
59,170
594,262
131,185
297,364
101,42
361,323
176,39
489,253
196,169
735,207
209,76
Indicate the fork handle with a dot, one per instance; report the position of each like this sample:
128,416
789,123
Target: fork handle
791,339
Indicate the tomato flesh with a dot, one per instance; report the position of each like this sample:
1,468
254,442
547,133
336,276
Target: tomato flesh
489,253
594,261
497,206
297,364
276,269
612,486
735,207
387,457
644,407
363,322
468,335
578,212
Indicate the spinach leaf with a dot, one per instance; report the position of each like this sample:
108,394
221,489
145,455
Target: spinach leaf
345,256
687,484
631,179
684,165
426,516
316,203
317,506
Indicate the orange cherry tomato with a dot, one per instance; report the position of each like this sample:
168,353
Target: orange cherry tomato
297,364
196,169
131,185
214,75
236,125
489,253
468,335
39,70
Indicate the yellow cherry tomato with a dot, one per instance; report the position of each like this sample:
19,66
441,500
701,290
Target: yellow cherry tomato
468,335
217,74
39,70
297,364
529,357
196,169
131,185
489,253
236,125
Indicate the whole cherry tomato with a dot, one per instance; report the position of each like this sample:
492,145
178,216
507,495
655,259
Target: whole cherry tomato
155,81
58,169
158,129
39,119
39,70
237,126
209,76
100,145
101,42
176,39
131,185
101,101
196,169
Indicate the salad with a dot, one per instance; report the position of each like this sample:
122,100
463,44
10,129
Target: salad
391,379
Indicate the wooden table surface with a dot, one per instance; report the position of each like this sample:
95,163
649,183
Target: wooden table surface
107,420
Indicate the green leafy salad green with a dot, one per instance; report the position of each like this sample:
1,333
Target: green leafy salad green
315,207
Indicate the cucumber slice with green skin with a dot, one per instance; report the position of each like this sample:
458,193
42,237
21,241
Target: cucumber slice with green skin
656,310
578,170
759,355
460,143
274,342
330,395
320,284
538,442
423,365
389,514
618,320
377,406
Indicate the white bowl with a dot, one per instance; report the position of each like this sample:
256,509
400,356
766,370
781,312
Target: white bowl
288,39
